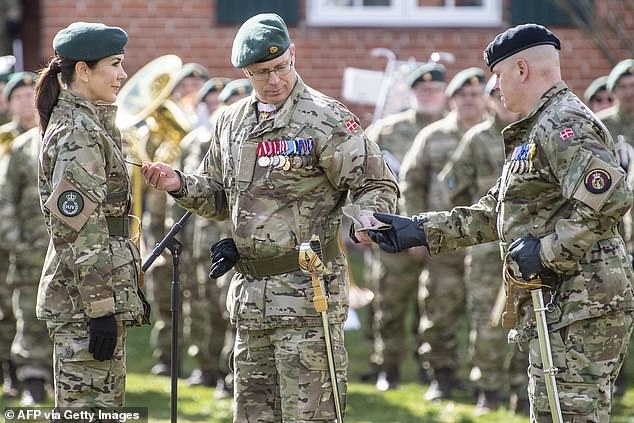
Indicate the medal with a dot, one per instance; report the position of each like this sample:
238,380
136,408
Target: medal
263,161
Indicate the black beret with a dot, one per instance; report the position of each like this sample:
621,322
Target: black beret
212,85
88,41
516,39
469,76
236,87
623,68
598,85
427,72
261,38
17,80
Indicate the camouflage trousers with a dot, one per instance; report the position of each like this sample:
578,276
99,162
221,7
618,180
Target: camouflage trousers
494,362
31,350
589,354
79,379
395,291
281,375
441,297
7,319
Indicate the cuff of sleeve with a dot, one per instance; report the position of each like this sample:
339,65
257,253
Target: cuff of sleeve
182,192
101,308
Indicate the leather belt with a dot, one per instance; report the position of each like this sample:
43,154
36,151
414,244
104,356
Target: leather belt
287,263
118,226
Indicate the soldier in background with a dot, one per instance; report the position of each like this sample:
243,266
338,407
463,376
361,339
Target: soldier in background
555,212
5,116
22,228
10,17
395,277
211,336
18,94
191,78
473,169
597,96
207,98
442,292
281,165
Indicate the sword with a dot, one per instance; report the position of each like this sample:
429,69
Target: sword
310,261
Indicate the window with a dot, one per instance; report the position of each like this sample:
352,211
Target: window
232,11
429,13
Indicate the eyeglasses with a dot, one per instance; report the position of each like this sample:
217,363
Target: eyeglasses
264,74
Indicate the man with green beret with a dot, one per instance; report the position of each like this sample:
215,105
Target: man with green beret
442,289
207,97
473,169
281,164
597,96
555,211
393,279
234,91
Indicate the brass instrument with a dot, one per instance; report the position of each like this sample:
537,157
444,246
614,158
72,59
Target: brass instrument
151,123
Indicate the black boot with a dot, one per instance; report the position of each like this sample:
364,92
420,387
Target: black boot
388,379
10,385
443,383
488,401
34,392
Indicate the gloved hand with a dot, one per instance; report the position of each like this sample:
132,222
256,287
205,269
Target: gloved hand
404,233
224,255
624,152
525,252
103,337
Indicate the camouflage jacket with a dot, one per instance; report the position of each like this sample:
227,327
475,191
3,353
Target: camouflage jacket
619,123
431,150
563,184
476,164
273,208
83,185
22,226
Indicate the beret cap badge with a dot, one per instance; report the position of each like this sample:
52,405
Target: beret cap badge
273,49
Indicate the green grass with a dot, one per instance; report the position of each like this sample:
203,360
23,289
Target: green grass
365,403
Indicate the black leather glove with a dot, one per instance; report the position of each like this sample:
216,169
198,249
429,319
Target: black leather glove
224,255
525,252
103,337
403,234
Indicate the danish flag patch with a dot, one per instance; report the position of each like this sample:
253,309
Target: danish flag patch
566,133
352,125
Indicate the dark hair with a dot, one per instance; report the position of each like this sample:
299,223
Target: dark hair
47,87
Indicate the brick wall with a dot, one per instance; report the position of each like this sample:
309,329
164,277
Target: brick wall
188,28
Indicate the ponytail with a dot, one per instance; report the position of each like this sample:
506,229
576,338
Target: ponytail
47,87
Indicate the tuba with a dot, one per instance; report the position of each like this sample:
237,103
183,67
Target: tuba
151,123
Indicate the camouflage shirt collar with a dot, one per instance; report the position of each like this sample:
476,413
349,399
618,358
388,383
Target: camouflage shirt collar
71,97
104,113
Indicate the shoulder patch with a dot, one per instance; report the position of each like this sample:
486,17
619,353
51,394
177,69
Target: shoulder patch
566,133
70,204
597,181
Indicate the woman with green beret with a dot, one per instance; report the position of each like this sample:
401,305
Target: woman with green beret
89,289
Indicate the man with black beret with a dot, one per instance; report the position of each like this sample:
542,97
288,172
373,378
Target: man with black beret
281,163
555,211
442,314
394,278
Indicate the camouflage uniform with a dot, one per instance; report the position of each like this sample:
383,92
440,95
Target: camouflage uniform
22,228
394,277
555,158
281,371
474,168
441,294
92,266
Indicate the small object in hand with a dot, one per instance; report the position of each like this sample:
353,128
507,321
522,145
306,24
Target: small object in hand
132,163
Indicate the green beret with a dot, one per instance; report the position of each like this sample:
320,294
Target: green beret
235,87
192,70
516,39
17,80
469,76
261,38
212,85
89,41
427,72
599,84
490,86
623,68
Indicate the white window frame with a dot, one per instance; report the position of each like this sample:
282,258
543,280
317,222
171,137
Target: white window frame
405,13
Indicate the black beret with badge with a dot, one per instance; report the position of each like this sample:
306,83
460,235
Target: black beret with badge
623,68
261,38
88,41
17,80
595,87
427,72
516,39
466,77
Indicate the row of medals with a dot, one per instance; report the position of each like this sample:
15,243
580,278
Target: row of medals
291,158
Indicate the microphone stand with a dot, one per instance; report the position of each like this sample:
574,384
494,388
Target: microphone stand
174,246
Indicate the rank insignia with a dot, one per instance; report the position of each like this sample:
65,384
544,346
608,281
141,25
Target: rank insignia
566,133
352,125
597,181
70,203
